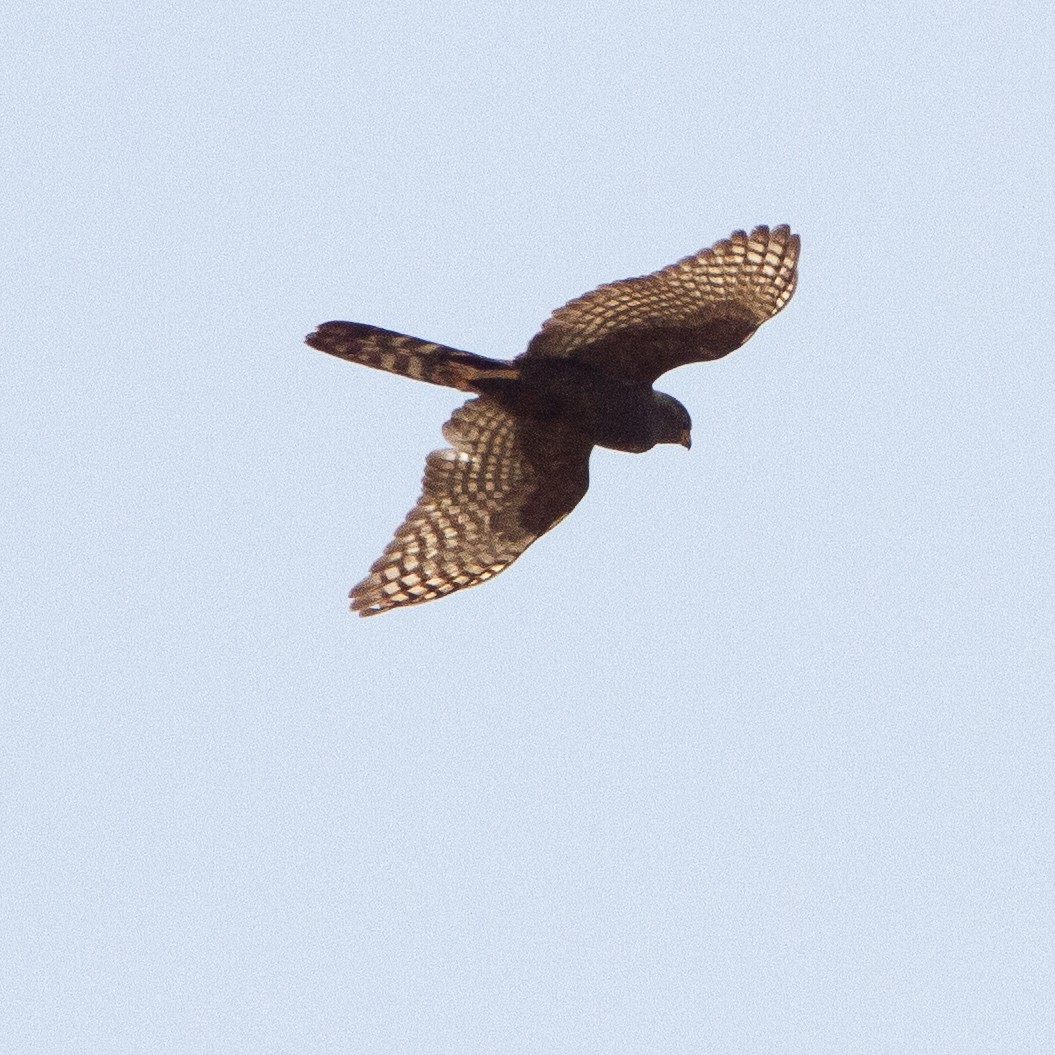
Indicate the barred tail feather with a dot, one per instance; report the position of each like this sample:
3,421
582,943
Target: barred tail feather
408,356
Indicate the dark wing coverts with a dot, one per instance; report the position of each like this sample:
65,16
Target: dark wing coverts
503,483
702,307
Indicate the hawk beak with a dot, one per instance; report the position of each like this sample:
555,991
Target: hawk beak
685,439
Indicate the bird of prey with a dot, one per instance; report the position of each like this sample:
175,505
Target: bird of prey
520,448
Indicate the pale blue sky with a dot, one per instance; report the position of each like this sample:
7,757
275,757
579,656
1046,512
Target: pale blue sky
754,754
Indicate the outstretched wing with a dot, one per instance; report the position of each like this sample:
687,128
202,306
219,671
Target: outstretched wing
702,307
502,484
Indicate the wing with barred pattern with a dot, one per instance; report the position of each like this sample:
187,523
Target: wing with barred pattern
701,308
503,482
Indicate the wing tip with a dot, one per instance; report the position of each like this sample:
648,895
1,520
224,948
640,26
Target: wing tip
368,598
781,234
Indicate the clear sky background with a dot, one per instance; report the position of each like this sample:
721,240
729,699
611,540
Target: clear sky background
755,753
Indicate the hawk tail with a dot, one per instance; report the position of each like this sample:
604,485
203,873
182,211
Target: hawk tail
408,356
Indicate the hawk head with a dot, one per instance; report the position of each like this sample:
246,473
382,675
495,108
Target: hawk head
670,421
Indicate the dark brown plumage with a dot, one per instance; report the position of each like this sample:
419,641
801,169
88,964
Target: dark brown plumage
519,456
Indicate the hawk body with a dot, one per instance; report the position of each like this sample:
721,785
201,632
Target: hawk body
519,456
